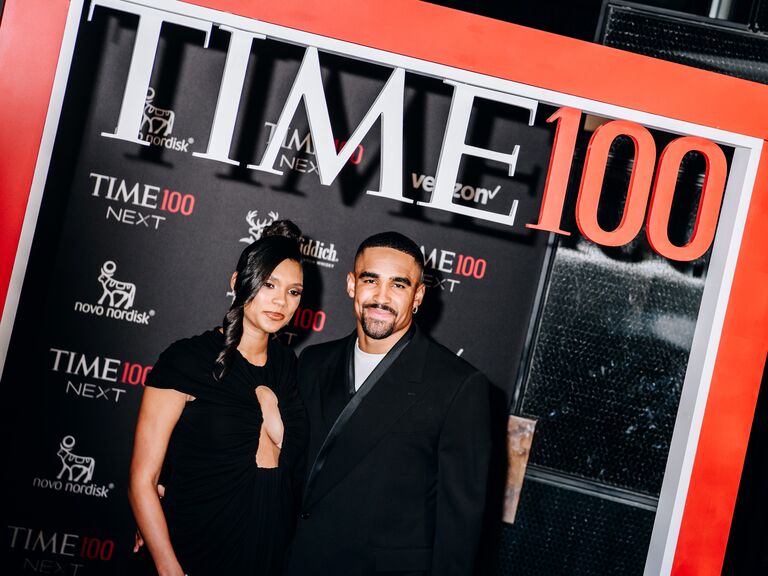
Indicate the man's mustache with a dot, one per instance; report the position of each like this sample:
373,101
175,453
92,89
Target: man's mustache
381,307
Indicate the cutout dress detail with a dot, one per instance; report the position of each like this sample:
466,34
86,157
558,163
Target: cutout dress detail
225,514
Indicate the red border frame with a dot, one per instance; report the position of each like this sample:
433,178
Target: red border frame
29,51
30,38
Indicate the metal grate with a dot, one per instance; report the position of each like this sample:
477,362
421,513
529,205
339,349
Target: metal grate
701,44
608,366
562,532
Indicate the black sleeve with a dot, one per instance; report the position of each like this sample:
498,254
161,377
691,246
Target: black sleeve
180,368
165,373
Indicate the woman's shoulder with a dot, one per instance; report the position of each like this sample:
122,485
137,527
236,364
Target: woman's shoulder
187,364
205,344
191,357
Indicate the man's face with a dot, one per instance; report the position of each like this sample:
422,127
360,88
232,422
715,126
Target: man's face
385,286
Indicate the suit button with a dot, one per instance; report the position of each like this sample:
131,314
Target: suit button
305,515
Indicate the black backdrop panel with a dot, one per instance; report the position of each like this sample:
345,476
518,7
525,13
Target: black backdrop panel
135,246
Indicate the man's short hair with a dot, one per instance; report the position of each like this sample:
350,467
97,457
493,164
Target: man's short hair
396,241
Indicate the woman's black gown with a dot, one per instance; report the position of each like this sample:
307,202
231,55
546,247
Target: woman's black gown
225,515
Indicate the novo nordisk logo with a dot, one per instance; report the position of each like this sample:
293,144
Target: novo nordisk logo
117,298
75,474
157,126
78,468
120,294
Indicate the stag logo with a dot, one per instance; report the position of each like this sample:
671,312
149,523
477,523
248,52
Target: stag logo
120,294
77,468
156,121
256,225
256,228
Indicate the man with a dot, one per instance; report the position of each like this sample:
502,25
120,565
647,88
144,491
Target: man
399,435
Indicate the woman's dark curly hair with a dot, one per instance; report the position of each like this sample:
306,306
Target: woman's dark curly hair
278,242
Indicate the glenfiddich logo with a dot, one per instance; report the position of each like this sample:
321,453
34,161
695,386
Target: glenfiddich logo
319,252
116,300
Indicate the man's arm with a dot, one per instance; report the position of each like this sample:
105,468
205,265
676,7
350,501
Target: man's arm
464,453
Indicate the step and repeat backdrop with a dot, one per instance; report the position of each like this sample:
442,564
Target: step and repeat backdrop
136,244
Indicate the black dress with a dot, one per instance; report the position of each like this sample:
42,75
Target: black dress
225,515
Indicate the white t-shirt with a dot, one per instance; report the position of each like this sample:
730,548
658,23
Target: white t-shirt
364,364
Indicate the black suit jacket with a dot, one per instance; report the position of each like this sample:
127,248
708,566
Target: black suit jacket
399,486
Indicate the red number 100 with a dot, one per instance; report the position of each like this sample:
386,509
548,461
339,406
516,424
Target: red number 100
661,192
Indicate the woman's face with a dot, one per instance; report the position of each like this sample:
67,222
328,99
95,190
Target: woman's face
274,304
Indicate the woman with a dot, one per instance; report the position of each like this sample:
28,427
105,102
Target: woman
222,418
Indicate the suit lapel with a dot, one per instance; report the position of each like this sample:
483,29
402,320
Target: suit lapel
333,392
385,402
331,398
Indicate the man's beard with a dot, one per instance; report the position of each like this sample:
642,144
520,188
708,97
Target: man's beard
378,329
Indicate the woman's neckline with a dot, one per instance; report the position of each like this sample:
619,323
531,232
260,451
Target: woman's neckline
218,331
251,364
